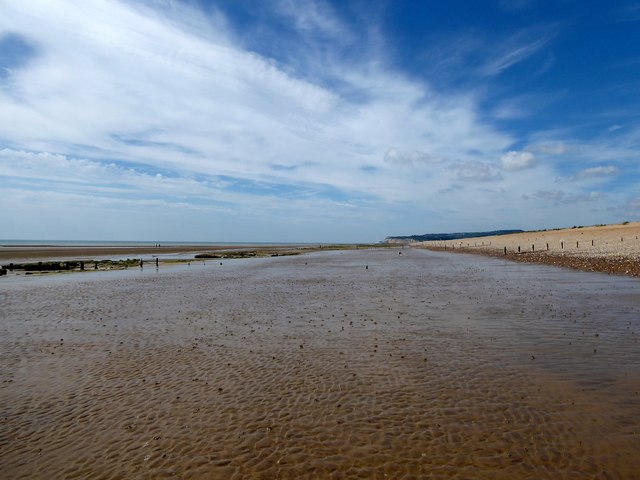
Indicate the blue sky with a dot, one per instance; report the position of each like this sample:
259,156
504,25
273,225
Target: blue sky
315,121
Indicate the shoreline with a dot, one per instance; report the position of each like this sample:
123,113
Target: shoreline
612,249
616,266
79,258
35,253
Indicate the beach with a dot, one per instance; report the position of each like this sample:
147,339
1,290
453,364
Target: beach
378,363
34,253
605,248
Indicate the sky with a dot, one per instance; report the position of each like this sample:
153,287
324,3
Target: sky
315,120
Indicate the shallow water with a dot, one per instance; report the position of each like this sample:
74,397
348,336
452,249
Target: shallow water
423,364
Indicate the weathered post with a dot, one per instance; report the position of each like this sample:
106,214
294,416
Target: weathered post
518,248
577,243
547,246
533,248
140,263
156,262
505,250
561,244
81,265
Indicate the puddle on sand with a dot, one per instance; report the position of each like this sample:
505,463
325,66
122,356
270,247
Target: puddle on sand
424,364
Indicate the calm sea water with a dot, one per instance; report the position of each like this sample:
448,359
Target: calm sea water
124,243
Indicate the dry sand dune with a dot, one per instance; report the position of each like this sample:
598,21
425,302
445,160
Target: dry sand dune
607,248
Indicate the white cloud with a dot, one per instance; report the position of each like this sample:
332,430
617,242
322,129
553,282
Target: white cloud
414,158
132,104
595,172
513,161
475,171
136,87
554,149
558,196
313,16
513,51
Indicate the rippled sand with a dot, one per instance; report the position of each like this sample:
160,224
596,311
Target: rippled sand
421,365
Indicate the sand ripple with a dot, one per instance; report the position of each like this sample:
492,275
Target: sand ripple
422,365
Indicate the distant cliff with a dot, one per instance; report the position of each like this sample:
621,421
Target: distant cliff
427,237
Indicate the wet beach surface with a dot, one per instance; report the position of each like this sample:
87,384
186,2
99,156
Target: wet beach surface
424,364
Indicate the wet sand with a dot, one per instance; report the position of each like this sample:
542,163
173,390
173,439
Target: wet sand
424,364
25,253
607,248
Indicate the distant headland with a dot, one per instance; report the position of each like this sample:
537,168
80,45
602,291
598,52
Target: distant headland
430,237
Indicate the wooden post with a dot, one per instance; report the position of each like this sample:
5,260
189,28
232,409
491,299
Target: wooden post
140,263
592,243
518,248
533,248
156,262
81,265
561,244
505,250
577,243
547,246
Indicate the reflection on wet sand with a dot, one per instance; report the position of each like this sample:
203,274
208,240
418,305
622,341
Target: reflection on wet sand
317,367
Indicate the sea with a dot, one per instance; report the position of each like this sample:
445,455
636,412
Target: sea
129,243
